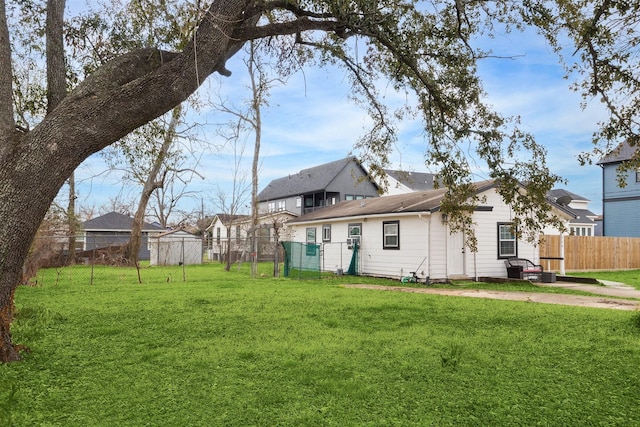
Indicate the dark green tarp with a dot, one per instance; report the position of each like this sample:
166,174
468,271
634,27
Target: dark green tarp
353,265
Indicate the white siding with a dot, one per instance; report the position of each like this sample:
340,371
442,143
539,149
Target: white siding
421,235
394,262
175,249
487,262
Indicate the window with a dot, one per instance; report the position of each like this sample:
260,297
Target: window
237,233
311,241
637,175
311,235
354,234
507,243
391,235
298,202
218,235
272,206
326,233
349,197
282,205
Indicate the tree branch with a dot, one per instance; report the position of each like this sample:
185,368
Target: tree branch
293,8
7,122
287,28
56,69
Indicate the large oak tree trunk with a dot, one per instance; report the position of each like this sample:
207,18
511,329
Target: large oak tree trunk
29,180
117,98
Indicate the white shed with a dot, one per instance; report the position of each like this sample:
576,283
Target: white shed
175,247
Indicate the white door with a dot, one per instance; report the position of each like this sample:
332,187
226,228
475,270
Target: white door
455,254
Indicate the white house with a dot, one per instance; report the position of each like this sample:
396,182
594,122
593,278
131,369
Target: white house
403,233
583,223
175,247
271,228
221,228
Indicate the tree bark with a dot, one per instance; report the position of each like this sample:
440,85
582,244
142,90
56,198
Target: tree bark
7,122
117,98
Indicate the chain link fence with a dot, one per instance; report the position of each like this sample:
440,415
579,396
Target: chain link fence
95,255
309,260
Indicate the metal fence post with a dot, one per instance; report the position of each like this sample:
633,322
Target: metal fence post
93,261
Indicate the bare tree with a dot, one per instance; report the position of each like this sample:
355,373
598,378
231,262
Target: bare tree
230,202
249,119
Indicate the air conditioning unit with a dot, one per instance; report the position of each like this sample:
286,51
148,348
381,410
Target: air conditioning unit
351,241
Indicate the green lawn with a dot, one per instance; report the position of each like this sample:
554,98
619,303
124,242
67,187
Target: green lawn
222,349
630,277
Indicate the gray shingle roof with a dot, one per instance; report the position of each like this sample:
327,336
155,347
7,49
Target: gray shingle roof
560,192
416,181
580,215
306,181
417,201
114,221
622,152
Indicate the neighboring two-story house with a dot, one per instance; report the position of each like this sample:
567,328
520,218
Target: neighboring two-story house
317,187
583,222
620,205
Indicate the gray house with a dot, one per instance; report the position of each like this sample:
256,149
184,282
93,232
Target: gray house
114,229
317,187
620,205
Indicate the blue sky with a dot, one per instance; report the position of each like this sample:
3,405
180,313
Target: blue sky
311,121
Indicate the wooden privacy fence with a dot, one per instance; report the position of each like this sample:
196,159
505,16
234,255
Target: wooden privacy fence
591,253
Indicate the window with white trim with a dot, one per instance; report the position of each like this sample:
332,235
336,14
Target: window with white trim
507,243
311,241
354,234
391,235
326,233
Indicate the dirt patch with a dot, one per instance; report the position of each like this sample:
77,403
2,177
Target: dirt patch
561,299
